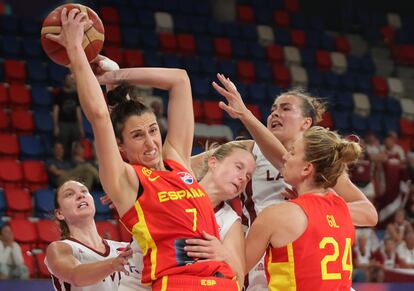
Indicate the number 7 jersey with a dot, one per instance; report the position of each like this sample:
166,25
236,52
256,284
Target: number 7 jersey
321,258
172,208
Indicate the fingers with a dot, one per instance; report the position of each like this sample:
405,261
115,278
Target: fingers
53,37
64,15
197,241
223,92
208,236
200,255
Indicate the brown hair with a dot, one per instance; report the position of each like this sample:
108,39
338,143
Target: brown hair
125,102
329,153
312,106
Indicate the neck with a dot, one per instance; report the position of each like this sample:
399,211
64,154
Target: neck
309,187
86,233
211,189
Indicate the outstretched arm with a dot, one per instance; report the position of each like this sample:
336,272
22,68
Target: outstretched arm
270,146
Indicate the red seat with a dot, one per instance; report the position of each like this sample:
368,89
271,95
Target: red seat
246,72
255,110
116,54
88,151
40,262
388,34
47,231
24,232
406,128
4,121
133,58
186,44
281,76
22,121
323,60
212,112
9,146
20,96
30,264
405,143
379,86
15,71
198,111
108,230
11,174
342,44
168,42
291,6
298,38
281,18
109,15
4,96
245,14
35,175
326,121
125,235
112,35
19,203
222,47
275,54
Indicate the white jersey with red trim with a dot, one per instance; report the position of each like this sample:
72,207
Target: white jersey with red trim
263,190
225,217
86,255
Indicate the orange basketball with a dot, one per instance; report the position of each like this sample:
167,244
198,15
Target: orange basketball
93,38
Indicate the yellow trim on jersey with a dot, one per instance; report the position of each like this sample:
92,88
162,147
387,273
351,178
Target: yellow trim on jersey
282,274
140,231
164,283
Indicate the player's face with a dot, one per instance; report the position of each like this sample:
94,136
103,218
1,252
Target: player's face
232,173
294,164
75,202
142,140
286,120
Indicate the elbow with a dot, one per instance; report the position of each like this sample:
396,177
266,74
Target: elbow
373,216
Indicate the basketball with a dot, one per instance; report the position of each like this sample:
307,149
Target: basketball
93,37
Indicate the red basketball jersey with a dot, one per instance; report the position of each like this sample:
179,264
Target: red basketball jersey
172,208
321,258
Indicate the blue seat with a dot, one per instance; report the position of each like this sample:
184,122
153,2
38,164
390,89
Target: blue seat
329,96
367,65
11,46
228,68
44,204
316,23
31,48
231,29
344,101
192,65
256,93
37,72
313,39
328,43
315,78
215,28
204,45
130,36
272,92
31,148
149,40
282,36
375,124
248,32
152,59
42,99
3,204
348,81
29,26
181,24
331,80
208,66
186,6
363,83
371,34
298,21
264,15
307,56
197,150
172,61
145,19
392,107
353,64
359,124
171,6
200,87
256,51
341,121
202,9
43,122
242,88
103,212
263,72
391,123
127,17
403,37
9,24
198,25
57,74
240,49
377,105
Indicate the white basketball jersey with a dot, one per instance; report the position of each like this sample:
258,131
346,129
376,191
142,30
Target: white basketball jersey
225,217
86,255
262,191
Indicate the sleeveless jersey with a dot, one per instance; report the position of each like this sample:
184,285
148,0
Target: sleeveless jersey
172,208
225,217
321,258
85,255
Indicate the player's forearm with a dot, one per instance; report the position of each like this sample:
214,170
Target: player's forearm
89,274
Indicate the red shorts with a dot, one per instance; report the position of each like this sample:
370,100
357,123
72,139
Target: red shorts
194,283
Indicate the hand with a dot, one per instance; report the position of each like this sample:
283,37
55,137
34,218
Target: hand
74,24
105,200
210,247
235,107
289,193
101,65
118,263
56,131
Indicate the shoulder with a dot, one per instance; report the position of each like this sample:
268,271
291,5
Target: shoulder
281,215
58,249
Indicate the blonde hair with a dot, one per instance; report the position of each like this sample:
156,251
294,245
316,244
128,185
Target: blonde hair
219,152
329,153
312,106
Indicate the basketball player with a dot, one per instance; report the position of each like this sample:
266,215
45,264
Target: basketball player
83,260
157,178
